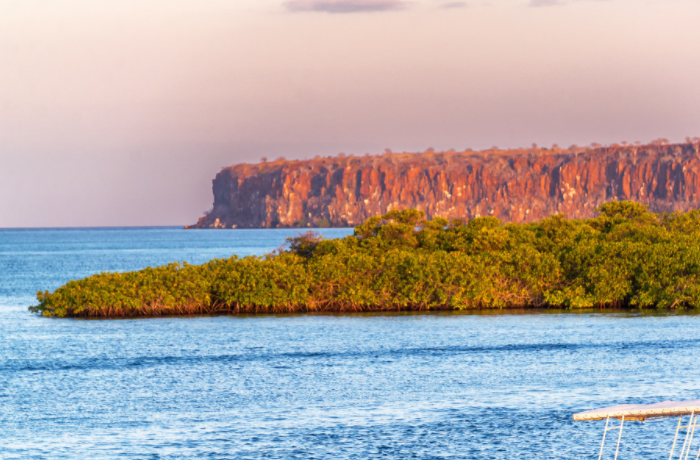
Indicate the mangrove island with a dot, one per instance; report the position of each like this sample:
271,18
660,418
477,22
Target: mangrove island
624,257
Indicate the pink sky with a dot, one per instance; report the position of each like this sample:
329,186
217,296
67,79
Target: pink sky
120,112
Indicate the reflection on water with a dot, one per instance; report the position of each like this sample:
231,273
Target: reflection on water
440,385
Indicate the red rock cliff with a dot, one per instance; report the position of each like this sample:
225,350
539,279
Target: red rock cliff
513,185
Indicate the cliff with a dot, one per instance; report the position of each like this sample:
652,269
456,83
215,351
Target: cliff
514,185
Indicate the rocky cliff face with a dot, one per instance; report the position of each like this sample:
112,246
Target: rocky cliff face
513,185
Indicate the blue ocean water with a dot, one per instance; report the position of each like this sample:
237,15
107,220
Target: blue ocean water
365,386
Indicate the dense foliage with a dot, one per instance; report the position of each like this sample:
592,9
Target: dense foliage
625,257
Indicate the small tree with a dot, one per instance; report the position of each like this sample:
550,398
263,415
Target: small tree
304,244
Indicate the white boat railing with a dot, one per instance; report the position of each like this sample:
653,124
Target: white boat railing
642,412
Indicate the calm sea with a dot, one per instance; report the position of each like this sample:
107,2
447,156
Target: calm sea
390,386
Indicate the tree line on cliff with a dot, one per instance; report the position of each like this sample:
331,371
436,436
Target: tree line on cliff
625,257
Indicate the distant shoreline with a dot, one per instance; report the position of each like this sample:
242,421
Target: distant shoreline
514,185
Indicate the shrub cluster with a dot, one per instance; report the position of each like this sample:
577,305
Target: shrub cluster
625,257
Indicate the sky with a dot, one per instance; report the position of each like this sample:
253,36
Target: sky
121,112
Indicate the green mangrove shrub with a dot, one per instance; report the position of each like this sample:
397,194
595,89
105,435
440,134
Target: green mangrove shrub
625,257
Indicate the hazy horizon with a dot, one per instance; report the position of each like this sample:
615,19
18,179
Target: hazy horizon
120,113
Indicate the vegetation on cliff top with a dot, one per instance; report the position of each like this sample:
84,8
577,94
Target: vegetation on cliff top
625,257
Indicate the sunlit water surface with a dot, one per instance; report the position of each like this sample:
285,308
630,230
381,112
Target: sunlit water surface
401,386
